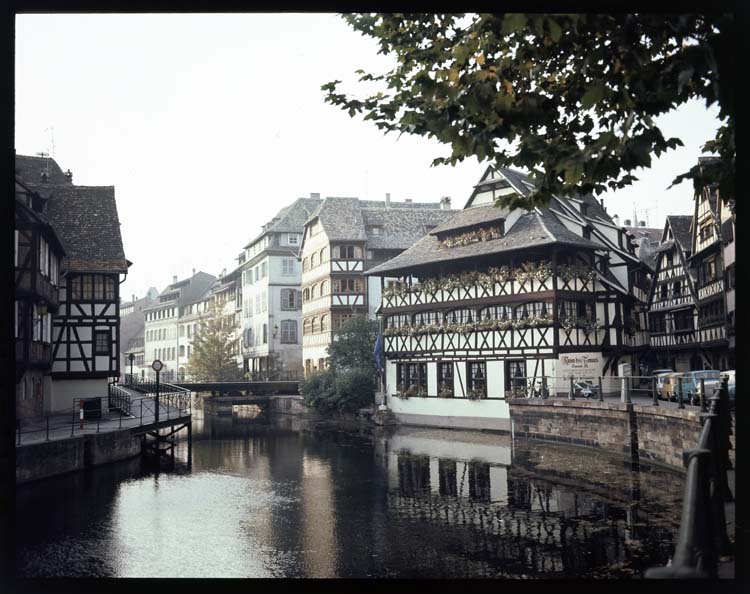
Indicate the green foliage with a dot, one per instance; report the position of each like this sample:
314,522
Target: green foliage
352,346
570,97
212,358
345,391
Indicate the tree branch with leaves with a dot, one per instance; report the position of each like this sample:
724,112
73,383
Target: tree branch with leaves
572,98
213,357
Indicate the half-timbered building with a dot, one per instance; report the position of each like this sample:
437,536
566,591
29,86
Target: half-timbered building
673,314
493,298
344,238
86,327
708,255
38,256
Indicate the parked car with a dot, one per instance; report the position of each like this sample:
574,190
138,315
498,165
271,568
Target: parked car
585,389
691,384
730,385
660,374
668,390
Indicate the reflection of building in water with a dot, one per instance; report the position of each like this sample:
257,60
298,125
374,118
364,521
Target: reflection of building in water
523,525
318,518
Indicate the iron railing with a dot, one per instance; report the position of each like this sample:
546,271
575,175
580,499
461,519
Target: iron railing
119,399
703,538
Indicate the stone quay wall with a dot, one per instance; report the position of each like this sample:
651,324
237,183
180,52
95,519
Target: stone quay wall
646,433
49,458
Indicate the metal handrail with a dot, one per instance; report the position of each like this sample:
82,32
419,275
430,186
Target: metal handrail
702,538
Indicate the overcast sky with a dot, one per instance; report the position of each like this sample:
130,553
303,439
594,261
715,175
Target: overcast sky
207,125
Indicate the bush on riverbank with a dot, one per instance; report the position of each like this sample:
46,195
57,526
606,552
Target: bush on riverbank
345,391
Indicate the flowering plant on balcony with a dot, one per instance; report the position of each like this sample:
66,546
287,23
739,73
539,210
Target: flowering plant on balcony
400,392
582,272
501,274
589,324
539,271
475,394
445,391
470,237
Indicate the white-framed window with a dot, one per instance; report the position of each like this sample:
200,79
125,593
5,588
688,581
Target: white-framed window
43,256
287,267
293,239
288,331
288,299
264,270
264,301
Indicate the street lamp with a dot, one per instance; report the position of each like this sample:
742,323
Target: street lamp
131,356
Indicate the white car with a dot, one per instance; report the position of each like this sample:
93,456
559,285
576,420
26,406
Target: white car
730,375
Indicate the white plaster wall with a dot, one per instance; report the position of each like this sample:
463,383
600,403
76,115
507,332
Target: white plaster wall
432,379
66,393
421,443
373,295
450,407
496,379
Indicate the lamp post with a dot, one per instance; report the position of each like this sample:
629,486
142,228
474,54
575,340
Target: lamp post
157,367
131,357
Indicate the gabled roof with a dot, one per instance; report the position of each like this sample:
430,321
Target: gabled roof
535,228
403,223
472,217
84,217
191,290
681,230
290,219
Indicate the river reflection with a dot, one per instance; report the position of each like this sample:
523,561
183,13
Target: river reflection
290,497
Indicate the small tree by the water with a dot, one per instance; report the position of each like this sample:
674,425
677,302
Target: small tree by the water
213,357
348,383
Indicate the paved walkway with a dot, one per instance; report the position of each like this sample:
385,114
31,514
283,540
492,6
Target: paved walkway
67,425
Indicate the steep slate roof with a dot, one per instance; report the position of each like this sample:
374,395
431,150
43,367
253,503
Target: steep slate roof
681,230
649,233
536,228
290,219
478,215
84,217
198,286
347,219
401,227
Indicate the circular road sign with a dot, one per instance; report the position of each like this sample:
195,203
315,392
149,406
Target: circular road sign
157,365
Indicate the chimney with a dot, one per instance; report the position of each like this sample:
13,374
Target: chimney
193,271
445,203
642,223
315,195
627,222
69,175
174,279
387,200
616,219
133,297
407,200
222,273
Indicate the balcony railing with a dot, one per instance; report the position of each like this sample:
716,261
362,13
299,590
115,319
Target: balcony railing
45,290
711,288
485,286
40,354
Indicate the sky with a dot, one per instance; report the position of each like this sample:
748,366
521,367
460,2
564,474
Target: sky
208,124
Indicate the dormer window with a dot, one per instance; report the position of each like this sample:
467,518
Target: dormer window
460,238
376,230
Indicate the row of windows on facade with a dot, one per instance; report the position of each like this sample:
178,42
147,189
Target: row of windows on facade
259,336
338,252
255,274
683,320
466,315
414,375
340,285
41,324
289,298
321,323
292,239
49,263
171,312
91,287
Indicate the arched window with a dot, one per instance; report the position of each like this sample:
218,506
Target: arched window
323,323
463,315
427,318
306,295
314,292
324,288
496,312
306,327
305,265
324,255
314,260
314,326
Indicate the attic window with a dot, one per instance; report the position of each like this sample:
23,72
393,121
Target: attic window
376,230
473,236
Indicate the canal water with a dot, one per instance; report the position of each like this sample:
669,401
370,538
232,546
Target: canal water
290,497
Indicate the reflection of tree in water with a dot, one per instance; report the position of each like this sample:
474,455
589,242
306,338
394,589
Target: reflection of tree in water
543,530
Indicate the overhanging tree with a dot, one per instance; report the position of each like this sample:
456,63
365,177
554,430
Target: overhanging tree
571,98
352,346
212,357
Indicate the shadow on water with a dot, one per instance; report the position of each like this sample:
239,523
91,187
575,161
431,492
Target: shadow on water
288,496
